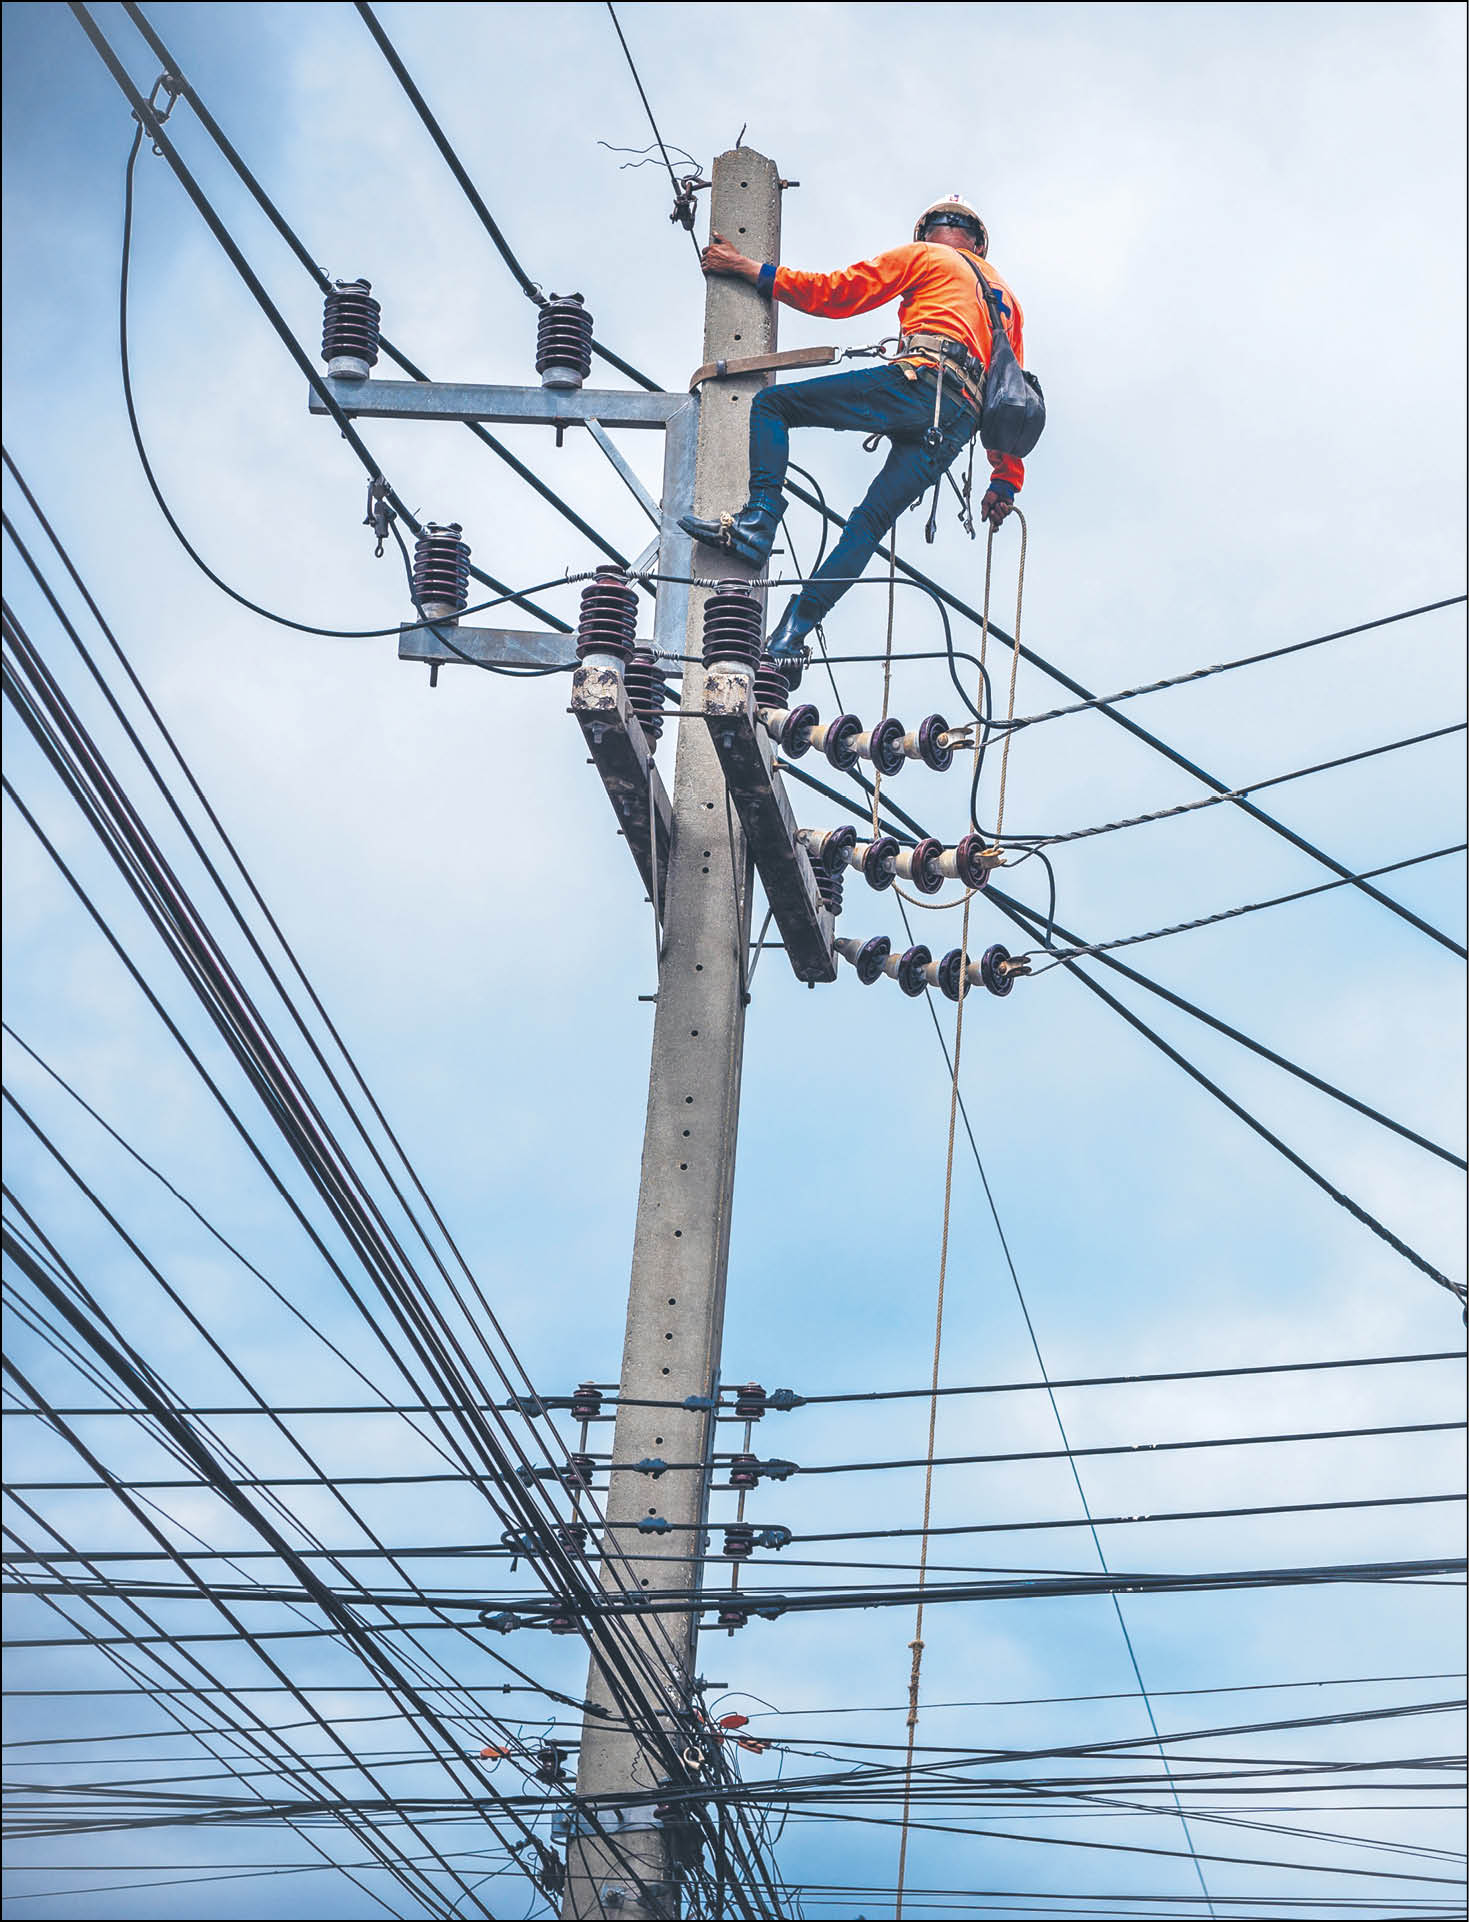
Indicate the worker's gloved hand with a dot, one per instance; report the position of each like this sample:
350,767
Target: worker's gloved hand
995,509
720,258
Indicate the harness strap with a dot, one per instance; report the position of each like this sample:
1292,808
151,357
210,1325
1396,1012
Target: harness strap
930,348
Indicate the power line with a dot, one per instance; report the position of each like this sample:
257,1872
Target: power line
471,192
939,595
1250,787
905,829
170,893
943,598
1026,917
1226,667
1054,959
647,109
149,121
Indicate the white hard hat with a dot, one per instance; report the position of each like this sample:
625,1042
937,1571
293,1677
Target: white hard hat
957,212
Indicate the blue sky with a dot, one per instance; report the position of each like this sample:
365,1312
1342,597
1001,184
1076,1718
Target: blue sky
1237,236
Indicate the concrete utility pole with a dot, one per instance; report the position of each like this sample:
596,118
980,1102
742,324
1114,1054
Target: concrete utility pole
675,1312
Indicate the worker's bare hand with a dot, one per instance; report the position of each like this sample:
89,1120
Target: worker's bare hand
995,509
720,258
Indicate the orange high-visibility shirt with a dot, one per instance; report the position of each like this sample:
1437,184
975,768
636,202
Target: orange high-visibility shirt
936,294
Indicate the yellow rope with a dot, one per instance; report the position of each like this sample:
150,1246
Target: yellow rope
887,680
1014,668
887,666
916,1645
933,1415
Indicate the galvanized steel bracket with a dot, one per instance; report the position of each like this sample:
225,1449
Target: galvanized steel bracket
746,753
620,752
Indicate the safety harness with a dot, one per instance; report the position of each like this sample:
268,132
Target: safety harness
952,356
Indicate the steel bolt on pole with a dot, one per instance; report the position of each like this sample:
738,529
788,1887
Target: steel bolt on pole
675,1313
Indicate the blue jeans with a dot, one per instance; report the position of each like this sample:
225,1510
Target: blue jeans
874,400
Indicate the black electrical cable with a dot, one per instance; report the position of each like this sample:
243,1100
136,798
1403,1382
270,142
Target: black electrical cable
365,1644
1351,1502
309,1631
63,618
281,620
10,689
58,612
1250,787
25,1261
183,822
241,1480
794,1469
908,831
149,122
218,827
324,285
1182,760
1339,1196
339,1090
1035,1344
358,1520
1244,660
471,192
647,109
485,1307
1135,1448
828,516
1230,914
943,598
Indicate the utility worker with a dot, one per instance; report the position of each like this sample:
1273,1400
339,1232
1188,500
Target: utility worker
945,318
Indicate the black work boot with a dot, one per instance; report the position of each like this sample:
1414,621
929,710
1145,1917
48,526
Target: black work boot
750,533
788,642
